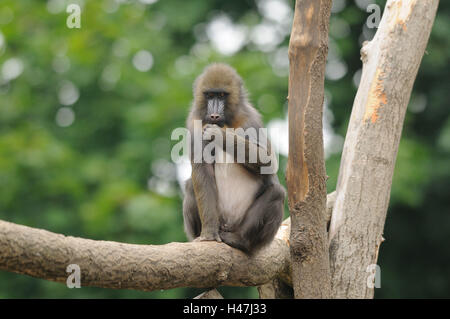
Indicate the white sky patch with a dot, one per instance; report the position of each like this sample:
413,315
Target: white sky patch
279,13
335,69
161,186
275,26
148,1
12,68
279,135
184,170
68,93
266,37
226,37
164,173
65,116
143,61
332,142
164,169
275,10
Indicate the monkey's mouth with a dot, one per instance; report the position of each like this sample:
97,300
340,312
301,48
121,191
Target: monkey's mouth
218,123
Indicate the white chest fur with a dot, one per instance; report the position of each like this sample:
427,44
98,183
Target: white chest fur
236,189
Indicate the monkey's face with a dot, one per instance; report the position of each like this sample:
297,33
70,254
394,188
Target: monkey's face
216,101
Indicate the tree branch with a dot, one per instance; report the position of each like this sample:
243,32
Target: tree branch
43,254
46,255
305,174
390,64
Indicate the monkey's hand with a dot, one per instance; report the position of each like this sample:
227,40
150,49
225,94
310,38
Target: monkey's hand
212,131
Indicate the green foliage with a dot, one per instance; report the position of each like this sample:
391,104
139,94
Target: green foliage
85,136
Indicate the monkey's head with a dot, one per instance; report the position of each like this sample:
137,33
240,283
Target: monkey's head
218,93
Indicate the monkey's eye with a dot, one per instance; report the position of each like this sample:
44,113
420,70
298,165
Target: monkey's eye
222,94
209,95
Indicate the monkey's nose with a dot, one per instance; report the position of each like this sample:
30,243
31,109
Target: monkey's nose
215,117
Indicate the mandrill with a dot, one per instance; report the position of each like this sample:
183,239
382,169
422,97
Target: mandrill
236,197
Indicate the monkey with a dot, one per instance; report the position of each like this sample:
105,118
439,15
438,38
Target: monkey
231,202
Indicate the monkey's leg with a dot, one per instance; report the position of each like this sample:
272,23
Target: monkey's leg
205,189
261,221
192,223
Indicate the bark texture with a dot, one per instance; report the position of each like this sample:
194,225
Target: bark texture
305,175
390,64
40,253
276,289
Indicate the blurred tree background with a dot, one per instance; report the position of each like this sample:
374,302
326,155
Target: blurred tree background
86,117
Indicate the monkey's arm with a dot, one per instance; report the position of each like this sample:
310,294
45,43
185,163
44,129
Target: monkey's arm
257,156
255,153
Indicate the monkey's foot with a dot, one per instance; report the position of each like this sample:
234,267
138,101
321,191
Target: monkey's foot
226,228
235,240
208,238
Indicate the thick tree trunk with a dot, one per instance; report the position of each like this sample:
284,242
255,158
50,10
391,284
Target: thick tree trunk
390,64
305,175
